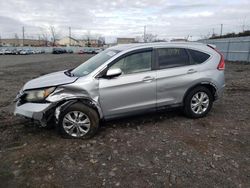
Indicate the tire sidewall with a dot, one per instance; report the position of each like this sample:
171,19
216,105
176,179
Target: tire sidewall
90,112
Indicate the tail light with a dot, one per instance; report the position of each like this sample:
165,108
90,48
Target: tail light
221,65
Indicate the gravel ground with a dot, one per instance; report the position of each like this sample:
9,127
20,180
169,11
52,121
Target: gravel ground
161,149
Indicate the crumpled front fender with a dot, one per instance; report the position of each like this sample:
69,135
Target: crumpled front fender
68,96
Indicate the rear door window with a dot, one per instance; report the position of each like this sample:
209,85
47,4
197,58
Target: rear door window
172,57
198,57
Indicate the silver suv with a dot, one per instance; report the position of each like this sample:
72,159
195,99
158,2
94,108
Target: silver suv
125,80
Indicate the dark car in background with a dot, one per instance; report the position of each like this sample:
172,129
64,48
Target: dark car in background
58,51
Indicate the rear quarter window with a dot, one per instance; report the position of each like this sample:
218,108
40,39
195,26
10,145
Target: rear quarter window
197,56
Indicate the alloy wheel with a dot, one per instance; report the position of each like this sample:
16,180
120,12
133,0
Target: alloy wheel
76,123
199,102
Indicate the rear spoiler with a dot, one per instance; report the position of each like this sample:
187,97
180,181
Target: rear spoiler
212,46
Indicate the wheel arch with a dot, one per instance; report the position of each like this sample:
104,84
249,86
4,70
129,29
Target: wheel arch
69,102
210,86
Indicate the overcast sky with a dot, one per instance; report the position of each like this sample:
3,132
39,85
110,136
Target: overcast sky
123,18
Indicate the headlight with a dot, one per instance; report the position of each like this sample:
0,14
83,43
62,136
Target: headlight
38,95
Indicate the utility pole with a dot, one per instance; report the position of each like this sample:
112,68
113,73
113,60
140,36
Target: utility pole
39,40
23,36
0,41
243,26
144,35
221,28
69,36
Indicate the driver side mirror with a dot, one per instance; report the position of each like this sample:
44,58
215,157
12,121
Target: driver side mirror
113,72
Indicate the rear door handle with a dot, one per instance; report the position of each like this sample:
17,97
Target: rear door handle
148,79
191,71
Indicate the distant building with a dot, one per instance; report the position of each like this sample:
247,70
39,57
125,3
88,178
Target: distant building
25,42
125,40
82,43
68,41
94,43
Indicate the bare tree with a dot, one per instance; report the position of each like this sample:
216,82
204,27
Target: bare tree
147,37
17,40
150,37
101,41
138,39
88,38
44,37
53,34
207,36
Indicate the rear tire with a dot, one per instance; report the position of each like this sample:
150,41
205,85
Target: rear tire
198,102
78,121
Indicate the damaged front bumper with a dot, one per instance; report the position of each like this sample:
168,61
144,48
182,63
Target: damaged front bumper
34,111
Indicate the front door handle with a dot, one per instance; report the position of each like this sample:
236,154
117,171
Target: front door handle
191,71
148,79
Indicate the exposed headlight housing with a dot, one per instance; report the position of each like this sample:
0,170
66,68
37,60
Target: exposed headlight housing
38,94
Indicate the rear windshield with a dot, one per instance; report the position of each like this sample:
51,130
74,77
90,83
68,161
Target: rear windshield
91,64
197,56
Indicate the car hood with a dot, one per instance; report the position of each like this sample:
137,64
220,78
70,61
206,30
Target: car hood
49,80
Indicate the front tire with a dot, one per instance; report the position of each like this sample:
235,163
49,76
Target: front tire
198,102
78,121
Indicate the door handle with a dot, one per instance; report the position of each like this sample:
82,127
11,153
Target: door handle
148,79
191,71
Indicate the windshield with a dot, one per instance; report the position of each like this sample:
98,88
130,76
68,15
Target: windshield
93,63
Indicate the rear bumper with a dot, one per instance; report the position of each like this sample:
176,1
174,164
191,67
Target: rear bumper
34,111
219,92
